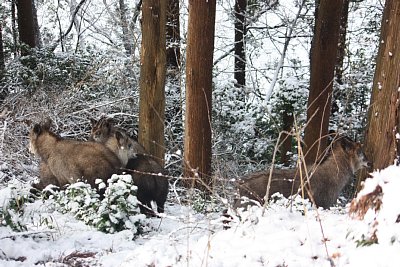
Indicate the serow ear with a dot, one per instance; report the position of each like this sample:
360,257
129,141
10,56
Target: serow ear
47,124
119,136
37,129
347,144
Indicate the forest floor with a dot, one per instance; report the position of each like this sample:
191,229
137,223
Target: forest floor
299,235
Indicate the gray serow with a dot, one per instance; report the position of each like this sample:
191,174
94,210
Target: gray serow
147,174
65,161
326,180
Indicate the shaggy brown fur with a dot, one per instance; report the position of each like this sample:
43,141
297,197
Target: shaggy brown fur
147,174
65,161
326,180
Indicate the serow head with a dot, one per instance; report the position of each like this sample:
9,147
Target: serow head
101,129
36,131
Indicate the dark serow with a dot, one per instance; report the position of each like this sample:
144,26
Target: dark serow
327,180
147,174
65,161
151,180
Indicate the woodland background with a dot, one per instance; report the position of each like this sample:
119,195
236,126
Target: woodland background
74,60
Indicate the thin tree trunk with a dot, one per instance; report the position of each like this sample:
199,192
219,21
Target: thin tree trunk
382,138
342,42
174,106
286,137
173,36
240,37
38,38
2,56
14,27
323,61
3,92
152,78
337,94
199,56
126,37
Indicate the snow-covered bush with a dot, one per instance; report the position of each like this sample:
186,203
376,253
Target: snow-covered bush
116,211
119,208
12,204
377,205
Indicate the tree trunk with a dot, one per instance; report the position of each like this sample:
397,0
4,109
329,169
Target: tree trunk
14,27
174,94
240,36
200,47
337,94
382,135
342,42
126,36
286,137
38,38
173,36
2,56
152,79
26,25
323,61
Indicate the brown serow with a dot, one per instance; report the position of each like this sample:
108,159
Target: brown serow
147,174
326,180
65,161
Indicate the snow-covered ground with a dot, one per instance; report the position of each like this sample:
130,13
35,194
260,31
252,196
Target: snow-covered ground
278,236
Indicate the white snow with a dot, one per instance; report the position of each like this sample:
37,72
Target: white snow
279,237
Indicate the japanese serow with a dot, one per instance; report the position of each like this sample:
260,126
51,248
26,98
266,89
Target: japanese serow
147,174
326,180
65,161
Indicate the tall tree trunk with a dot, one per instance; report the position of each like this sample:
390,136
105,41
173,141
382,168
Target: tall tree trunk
14,27
173,36
2,56
337,94
240,36
174,94
382,138
199,63
152,79
126,36
38,38
323,61
26,24
342,42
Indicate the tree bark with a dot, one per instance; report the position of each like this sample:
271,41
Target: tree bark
152,79
342,42
38,38
240,36
173,36
323,61
2,56
126,36
382,146
26,24
286,137
199,63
